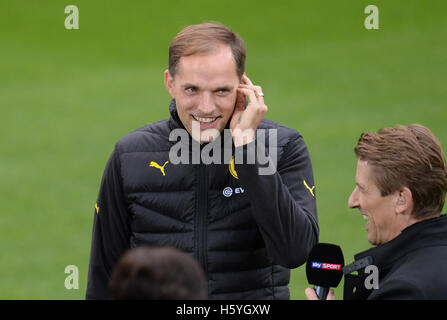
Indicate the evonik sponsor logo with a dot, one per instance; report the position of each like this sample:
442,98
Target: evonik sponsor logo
228,191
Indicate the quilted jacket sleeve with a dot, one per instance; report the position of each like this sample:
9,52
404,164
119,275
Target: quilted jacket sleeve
283,202
111,230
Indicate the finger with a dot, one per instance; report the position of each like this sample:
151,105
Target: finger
310,294
247,85
247,79
248,92
260,94
257,90
256,107
331,295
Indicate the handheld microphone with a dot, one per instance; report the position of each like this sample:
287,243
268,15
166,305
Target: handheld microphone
324,268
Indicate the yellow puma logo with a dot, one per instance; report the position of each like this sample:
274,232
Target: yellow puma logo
231,168
96,208
156,165
310,189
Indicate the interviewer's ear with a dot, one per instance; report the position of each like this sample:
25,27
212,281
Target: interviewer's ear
404,201
169,83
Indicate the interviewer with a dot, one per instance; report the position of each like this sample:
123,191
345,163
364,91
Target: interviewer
401,184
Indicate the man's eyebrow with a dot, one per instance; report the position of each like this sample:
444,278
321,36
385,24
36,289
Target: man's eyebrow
360,185
189,85
225,87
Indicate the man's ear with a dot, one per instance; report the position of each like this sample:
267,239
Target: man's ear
404,201
169,83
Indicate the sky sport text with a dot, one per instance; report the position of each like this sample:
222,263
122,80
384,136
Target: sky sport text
326,266
371,281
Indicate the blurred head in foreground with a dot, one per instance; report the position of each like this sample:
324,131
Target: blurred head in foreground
401,179
157,274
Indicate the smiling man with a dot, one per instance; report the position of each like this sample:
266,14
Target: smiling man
246,230
205,89
401,184
376,207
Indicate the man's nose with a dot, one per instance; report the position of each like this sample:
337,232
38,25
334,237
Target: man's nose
353,200
206,105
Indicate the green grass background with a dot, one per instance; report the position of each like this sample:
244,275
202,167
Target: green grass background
67,96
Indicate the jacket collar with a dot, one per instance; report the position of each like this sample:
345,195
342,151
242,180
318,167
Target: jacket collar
419,235
174,120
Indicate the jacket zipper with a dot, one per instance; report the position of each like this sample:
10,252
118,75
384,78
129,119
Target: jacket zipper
201,218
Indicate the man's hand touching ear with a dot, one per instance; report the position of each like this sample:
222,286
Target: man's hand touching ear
244,122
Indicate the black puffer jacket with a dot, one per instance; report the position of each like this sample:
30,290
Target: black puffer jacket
245,229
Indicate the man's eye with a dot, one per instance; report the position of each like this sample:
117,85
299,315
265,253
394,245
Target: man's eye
223,91
190,90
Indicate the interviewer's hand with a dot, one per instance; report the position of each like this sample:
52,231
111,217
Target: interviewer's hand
312,295
244,122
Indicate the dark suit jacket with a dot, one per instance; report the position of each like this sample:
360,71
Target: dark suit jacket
411,266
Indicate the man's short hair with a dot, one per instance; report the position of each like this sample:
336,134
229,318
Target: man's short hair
407,156
157,273
203,39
